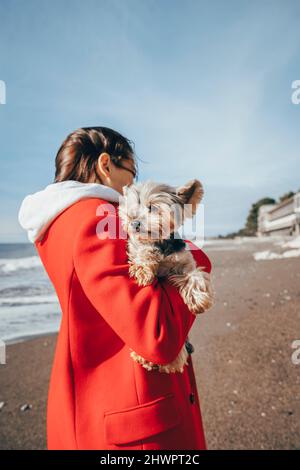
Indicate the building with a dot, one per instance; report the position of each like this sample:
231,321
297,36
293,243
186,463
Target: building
280,219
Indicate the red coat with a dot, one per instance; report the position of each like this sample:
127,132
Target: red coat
99,397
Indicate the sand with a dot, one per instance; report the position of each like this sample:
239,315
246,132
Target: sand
249,387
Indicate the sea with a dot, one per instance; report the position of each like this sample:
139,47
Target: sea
28,302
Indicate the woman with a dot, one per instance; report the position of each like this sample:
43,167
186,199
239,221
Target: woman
98,397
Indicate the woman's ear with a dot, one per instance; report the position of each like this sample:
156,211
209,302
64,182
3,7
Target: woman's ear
103,164
190,194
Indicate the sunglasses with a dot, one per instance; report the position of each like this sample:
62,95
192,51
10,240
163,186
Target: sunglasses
128,169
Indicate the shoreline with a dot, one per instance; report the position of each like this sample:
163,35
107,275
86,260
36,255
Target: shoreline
28,337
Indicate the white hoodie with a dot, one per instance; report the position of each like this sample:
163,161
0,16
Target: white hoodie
39,209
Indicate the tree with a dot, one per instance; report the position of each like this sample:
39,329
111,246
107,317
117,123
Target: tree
286,196
250,228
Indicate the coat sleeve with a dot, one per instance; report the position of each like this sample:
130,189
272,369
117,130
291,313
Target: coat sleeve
152,320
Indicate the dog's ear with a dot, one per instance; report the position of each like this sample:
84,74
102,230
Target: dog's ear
190,193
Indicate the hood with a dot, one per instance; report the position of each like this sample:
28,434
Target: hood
39,209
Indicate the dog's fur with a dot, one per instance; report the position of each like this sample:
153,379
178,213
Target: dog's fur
151,213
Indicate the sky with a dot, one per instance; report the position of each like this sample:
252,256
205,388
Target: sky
202,88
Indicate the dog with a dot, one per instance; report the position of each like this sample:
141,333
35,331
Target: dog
151,214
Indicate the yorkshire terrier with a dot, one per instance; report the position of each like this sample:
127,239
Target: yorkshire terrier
151,214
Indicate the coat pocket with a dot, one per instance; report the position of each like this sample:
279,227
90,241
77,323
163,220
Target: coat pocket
141,421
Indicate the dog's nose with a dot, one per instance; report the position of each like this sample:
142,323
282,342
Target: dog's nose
136,225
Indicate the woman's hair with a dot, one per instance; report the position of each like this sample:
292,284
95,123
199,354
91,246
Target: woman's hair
78,155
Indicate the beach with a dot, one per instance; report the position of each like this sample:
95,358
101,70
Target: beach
249,387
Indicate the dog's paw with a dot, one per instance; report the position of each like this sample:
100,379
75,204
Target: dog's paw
199,291
143,274
196,290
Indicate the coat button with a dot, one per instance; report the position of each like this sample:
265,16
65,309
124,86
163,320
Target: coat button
189,347
192,398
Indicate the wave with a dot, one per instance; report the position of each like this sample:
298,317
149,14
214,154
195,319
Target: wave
8,265
29,300
27,290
